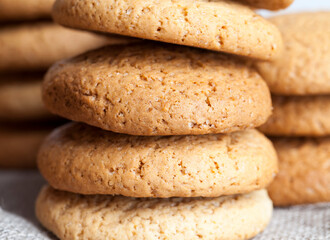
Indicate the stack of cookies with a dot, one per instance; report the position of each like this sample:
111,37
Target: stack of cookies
163,145
29,44
300,83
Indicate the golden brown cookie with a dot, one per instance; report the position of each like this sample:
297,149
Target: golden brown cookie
87,160
25,9
215,25
72,216
304,174
35,46
303,68
158,89
19,144
20,98
299,116
267,4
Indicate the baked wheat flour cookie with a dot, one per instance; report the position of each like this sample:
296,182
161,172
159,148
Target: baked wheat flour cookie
87,160
20,98
299,116
73,216
303,68
158,89
25,9
215,25
304,174
267,4
19,144
35,46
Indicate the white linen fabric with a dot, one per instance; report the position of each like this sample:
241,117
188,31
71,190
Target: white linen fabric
18,191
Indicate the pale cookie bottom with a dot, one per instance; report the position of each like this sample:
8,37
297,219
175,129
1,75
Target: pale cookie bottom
72,216
299,116
304,174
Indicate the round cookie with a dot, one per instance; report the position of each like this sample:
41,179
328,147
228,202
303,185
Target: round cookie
158,89
83,159
20,98
35,46
214,25
19,144
13,10
73,216
304,174
268,4
304,67
299,116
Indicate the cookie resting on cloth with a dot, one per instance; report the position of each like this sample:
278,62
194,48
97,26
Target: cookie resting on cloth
71,216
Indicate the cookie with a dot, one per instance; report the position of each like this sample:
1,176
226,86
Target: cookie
74,216
83,159
220,25
304,174
268,4
19,144
20,98
158,89
299,116
35,46
14,10
303,69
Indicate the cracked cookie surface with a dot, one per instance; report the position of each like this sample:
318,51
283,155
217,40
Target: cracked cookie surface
215,25
158,89
87,160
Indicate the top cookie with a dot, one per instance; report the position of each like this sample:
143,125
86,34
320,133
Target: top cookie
35,46
219,25
158,89
268,4
304,67
25,9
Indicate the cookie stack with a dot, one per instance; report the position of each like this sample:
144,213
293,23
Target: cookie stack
29,44
162,146
300,82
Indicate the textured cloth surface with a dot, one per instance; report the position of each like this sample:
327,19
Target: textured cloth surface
18,191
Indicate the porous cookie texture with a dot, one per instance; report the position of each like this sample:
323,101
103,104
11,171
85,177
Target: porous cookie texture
35,46
299,116
87,160
25,9
72,216
20,98
268,4
215,25
158,89
303,68
19,144
304,174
